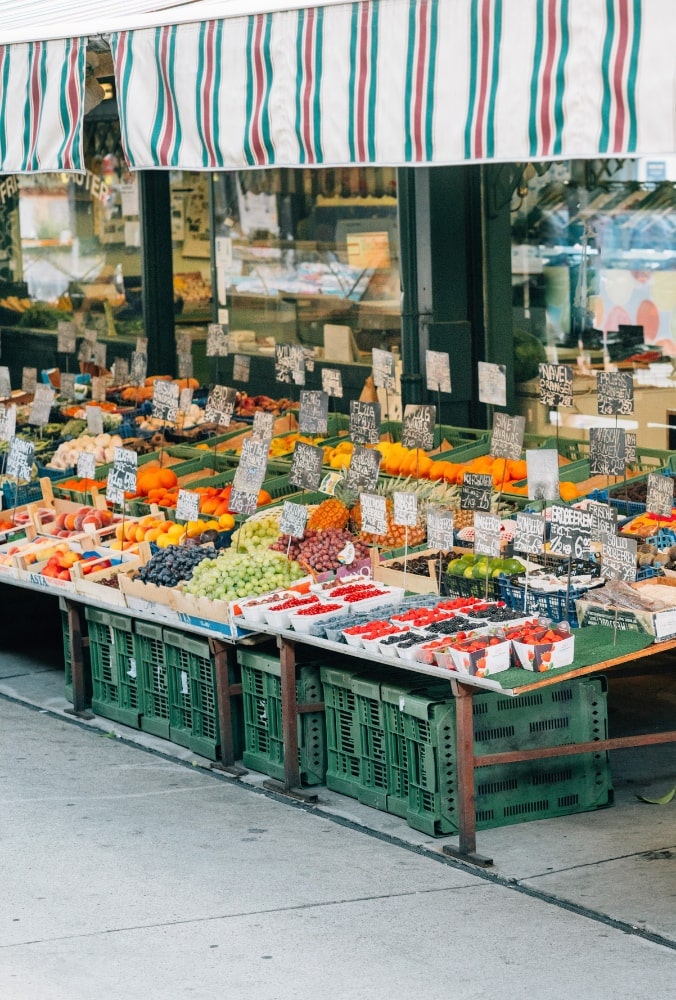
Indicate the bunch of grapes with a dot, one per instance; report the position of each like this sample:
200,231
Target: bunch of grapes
171,565
257,533
319,549
239,574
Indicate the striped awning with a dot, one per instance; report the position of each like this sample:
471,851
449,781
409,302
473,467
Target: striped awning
41,106
401,82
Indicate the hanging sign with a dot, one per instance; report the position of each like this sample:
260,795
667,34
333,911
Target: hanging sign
187,505
309,353
184,365
122,476
487,536
41,407
94,419
364,422
263,425
606,451
29,377
373,513
251,467
241,367
67,385
383,369
542,465
313,416
570,532
86,465
293,519
660,498
332,382
218,341
121,370
630,447
492,384
362,472
99,384
165,401
417,428
185,401
405,509
20,458
139,368
618,558
556,385
91,335
183,343
5,383
615,393
507,436
66,337
439,529
438,368
290,363
529,536
220,405
306,466
7,422
475,491
603,521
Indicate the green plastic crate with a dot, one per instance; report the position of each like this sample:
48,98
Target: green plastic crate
151,668
113,665
263,734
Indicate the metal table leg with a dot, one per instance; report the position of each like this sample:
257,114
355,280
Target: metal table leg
74,612
225,658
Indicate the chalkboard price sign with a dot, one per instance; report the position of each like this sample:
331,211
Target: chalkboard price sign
251,467
20,458
603,521
7,422
220,405
417,429
241,368
122,476
542,465
290,363
475,492
373,513
660,498
293,519
615,393
187,505
618,558
309,353
606,450
86,465
630,447
314,412
362,472
438,367
439,529
487,535
263,425
165,401
66,337
217,341
364,422
383,369
242,502
492,384
405,509
556,385
67,386
306,466
570,532
332,382
529,537
507,436
43,400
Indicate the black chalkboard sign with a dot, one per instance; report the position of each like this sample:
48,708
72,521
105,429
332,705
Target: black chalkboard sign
20,458
243,502
529,537
615,393
306,466
218,345
314,412
165,401
405,509
250,471
86,465
487,536
475,492
220,405
383,369
570,532
660,498
556,385
332,382
364,422
507,436
293,519
362,472
290,363
417,428
606,451
618,558
630,447
603,521
263,425
122,476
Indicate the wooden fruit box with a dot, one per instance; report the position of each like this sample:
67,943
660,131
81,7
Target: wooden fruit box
90,585
11,549
412,582
156,602
217,616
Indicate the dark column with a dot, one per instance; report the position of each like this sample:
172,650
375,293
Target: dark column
158,288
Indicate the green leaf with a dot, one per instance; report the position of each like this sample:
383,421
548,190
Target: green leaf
658,802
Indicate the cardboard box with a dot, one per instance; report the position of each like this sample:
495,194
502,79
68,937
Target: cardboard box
660,624
477,663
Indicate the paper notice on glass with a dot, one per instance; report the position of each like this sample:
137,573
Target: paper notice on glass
29,377
438,368
241,368
492,384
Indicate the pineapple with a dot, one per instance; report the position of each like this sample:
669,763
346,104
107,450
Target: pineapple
334,512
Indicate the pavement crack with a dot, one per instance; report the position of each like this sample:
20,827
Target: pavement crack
591,864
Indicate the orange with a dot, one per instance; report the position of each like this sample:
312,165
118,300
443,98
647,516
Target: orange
226,522
263,498
167,478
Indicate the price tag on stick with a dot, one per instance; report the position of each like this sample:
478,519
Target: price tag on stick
217,341
529,536
439,529
332,382
293,519
405,509
383,369
290,364
187,505
618,558
29,377
99,389
41,407
250,471
122,476
570,532
556,385
603,521
417,429
615,393
314,412
86,465
364,422
66,337
606,451
94,420
487,536
5,383
542,465
165,401
20,459
373,513
263,425
139,368
306,466
438,368
362,472
220,405
660,497
475,492
630,447
7,422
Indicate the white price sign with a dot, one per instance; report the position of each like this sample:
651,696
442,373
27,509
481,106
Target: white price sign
187,505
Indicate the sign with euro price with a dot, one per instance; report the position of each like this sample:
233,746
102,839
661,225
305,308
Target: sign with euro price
220,405
439,528
250,471
603,520
618,558
7,422
99,386
487,535
218,345
41,407
165,401
243,502
314,412
187,505
438,371
263,425
615,393
475,492
364,422
293,519
86,465
606,451
570,532
660,496
529,536
383,369
555,385
306,466
122,476
20,459
332,382
417,428
373,513
630,447
290,364
362,472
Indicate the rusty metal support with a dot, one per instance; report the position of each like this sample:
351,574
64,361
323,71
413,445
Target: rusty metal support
77,663
225,660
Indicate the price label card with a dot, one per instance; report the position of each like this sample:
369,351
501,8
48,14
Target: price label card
309,353
606,451
5,383
220,405
263,425
242,502
121,370
187,505
29,377
364,422
251,467
100,355
183,343
405,509
383,369
290,363
218,341
313,417
438,367
373,513
660,498
507,436
603,521
417,428
487,535
184,365
94,420
41,407
7,422
99,384
91,335
20,458
332,382
542,466
618,558
306,466
139,368
492,384
556,385
66,337
165,401
185,401
122,476
529,537
570,532
67,388
362,472
475,492
142,345
293,519
86,465
630,447
439,528
241,367
615,393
